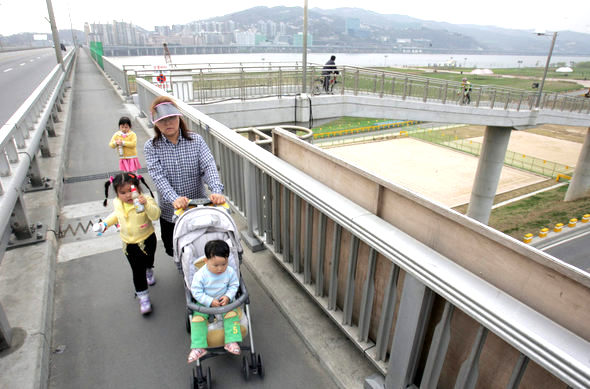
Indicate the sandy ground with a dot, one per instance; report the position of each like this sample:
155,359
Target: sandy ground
436,172
543,147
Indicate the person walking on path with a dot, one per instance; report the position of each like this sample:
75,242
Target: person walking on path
179,161
125,142
327,71
466,91
136,230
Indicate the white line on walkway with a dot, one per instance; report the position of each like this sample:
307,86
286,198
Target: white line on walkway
564,241
31,60
7,70
528,195
23,64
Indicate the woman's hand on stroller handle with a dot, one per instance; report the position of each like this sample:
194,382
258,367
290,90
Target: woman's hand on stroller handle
214,199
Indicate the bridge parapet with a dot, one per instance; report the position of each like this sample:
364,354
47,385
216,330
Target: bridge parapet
433,298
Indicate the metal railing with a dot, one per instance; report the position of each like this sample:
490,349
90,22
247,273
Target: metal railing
206,83
374,280
23,135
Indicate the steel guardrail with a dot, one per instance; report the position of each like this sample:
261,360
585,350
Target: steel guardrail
22,134
209,82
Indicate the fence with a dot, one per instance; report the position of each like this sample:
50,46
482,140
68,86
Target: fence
518,160
208,83
391,271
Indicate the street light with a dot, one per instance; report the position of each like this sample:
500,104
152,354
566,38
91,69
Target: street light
546,67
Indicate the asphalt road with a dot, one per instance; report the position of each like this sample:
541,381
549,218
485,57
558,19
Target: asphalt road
20,73
575,251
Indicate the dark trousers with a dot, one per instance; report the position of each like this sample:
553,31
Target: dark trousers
167,230
140,261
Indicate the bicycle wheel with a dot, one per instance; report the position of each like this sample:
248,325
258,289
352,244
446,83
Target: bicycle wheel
317,88
336,88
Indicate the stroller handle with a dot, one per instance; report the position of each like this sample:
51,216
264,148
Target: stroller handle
218,310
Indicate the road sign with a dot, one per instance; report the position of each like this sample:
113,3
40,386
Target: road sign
161,78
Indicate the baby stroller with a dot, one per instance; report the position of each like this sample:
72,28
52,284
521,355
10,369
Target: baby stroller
193,229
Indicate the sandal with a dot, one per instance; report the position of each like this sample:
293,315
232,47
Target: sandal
196,353
233,348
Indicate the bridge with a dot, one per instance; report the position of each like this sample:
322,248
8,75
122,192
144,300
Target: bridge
416,294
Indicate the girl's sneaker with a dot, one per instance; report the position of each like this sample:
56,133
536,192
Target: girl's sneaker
145,306
149,275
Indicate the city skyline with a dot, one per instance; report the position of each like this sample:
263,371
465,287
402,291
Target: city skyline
31,15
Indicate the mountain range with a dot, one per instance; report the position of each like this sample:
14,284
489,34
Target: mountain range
327,27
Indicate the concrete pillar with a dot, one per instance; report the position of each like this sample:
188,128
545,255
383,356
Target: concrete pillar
580,185
489,168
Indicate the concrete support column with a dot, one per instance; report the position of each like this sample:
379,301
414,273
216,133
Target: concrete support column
489,168
580,184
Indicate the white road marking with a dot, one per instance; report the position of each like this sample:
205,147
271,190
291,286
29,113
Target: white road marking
7,70
31,60
23,64
564,241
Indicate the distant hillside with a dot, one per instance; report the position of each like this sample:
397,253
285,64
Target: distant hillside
328,28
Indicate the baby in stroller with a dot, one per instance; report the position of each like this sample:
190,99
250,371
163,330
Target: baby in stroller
215,285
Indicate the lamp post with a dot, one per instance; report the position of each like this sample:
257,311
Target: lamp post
546,67
304,78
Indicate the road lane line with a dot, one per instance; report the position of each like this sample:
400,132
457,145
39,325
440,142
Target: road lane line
565,241
23,64
7,70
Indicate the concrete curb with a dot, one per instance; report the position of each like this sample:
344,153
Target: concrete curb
27,274
555,237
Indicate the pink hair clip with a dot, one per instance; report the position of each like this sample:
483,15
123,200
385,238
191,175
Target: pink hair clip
111,179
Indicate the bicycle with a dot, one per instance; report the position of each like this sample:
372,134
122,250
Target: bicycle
333,85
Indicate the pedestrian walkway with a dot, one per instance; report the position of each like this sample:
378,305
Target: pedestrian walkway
88,330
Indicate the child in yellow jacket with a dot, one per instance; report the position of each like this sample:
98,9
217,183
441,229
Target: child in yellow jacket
125,141
136,230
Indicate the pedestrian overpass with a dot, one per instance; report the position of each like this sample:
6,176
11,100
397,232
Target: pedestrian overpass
432,298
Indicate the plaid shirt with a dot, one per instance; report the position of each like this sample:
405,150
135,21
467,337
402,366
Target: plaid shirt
179,170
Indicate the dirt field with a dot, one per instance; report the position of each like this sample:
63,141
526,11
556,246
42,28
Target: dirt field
446,176
548,148
436,172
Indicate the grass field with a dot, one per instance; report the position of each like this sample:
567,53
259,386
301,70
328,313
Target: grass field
531,214
566,85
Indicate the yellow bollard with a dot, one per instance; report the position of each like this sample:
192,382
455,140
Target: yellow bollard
586,218
543,232
558,227
528,238
572,222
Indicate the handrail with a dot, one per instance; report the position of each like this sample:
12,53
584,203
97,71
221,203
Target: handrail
550,345
206,83
16,137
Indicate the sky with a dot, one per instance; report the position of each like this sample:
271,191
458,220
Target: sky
31,15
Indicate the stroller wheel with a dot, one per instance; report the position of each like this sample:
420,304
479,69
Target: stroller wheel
200,380
260,366
245,368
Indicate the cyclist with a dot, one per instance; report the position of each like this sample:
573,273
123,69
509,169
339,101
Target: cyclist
327,71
